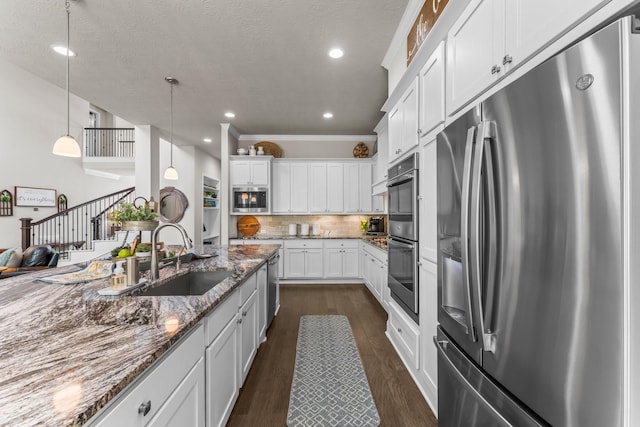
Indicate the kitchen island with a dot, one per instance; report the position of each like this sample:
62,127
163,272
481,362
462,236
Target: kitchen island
66,351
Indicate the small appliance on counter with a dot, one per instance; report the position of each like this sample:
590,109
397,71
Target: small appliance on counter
376,226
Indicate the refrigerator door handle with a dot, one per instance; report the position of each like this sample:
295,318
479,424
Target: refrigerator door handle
465,200
441,345
485,132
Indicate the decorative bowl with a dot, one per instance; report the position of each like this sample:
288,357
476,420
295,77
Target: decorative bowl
242,151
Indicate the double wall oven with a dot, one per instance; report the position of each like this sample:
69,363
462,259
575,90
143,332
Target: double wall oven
402,189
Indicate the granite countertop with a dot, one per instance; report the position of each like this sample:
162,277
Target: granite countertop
66,351
377,241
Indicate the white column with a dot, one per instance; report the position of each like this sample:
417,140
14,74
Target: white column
147,161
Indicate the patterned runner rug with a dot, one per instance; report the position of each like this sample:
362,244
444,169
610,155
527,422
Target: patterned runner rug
329,385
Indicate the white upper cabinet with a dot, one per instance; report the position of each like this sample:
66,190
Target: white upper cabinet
335,187
299,178
318,187
428,200
357,187
532,24
250,172
289,190
432,92
403,123
474,44
281,191
492,37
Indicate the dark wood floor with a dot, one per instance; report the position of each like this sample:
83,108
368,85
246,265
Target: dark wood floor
264,399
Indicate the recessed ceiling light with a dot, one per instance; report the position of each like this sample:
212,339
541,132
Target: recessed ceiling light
229,114
207,140
62,50
336,53
327,115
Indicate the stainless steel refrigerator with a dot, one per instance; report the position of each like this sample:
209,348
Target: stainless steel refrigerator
530,268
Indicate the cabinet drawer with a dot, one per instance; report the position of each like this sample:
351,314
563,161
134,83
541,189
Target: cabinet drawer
341,244
247,288
406,335
303,244
216,321
155,387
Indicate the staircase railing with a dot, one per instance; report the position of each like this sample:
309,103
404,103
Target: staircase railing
75,228
109,142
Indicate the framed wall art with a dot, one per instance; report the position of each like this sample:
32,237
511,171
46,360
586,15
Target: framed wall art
39,197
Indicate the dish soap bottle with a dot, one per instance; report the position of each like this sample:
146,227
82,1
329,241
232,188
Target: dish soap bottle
118,278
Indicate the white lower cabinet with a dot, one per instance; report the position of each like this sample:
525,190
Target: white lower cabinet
223,383
341,259
303,259
169,387
428,298
262,303
248,333
405,335
373,263
186,406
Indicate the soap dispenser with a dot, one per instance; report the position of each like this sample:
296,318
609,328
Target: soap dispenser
118,278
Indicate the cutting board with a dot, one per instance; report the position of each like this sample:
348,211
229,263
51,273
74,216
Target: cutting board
248,225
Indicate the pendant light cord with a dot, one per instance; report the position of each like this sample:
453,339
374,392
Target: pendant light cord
67,5
171,125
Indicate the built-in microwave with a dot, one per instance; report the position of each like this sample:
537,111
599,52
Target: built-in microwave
250,199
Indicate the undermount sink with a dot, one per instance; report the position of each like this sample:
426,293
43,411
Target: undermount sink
192,283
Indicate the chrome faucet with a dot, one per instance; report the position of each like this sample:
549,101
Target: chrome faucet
188,244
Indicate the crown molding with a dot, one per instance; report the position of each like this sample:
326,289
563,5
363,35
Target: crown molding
308,138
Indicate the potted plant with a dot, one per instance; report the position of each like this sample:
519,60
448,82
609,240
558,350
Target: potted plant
5,198
143,250
134,218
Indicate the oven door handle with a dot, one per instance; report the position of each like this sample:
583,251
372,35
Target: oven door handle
401,179
394,242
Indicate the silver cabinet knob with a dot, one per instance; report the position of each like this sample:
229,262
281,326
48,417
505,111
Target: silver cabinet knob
144,408
508,59
399,330
495,69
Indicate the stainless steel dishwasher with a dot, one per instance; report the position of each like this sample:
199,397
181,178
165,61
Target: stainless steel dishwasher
272,287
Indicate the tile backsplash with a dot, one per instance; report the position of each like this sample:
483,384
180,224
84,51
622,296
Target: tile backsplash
329,224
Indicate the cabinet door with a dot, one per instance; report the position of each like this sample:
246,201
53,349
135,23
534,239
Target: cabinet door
332,263
335,187
531,25
410,118
222,374
428,201
395,132
432,91
186,406
317,187
350,263
428,278
249,334
260,173
262,303
240,172
313,263
364,184
475,44
299,188
281,188
351,188
294,260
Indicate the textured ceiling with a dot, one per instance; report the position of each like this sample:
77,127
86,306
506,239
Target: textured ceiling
266,60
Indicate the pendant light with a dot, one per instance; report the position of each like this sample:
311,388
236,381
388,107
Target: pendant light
67,145
171,172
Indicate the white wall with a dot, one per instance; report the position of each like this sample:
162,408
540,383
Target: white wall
191,163
32,117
